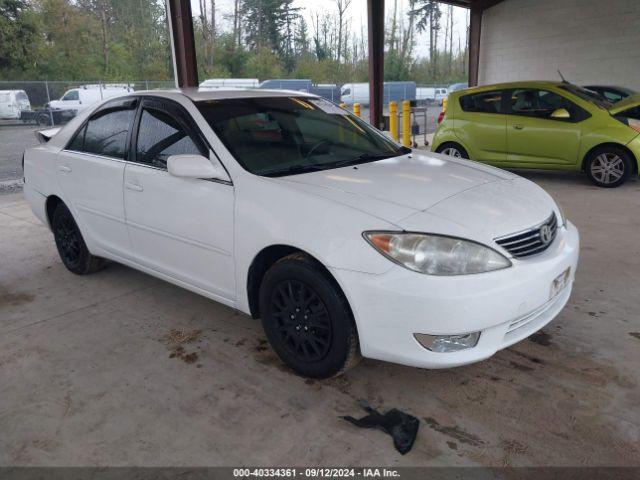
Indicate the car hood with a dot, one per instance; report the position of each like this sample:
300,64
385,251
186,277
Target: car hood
486,212
398,187
625,104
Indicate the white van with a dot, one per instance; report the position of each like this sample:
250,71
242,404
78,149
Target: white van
431,95
12,103
355,93
86,95
229,83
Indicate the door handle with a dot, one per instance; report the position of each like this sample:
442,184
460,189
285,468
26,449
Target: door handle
135,187
64,169
518,126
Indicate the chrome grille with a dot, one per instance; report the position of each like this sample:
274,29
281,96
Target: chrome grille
532,241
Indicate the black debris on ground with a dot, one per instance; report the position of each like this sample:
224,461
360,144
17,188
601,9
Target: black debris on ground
401,426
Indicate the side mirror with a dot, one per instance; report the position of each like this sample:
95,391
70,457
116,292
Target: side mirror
195,166
561,114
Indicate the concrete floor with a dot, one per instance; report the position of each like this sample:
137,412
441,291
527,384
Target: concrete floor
87,376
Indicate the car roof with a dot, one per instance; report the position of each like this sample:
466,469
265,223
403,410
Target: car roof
202,95
520,84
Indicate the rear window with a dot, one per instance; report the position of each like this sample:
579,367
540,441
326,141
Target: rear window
105,134
485,102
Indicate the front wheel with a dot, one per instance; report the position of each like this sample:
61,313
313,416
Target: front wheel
608,167
453,150
307,319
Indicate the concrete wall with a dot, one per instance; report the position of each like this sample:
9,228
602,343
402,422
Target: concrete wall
590,41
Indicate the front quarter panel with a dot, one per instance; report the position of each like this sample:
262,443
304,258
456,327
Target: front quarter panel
270,211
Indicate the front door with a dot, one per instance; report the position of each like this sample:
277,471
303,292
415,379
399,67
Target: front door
534,138
179,227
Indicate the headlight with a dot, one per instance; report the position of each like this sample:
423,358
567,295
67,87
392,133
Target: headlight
563,218
436,254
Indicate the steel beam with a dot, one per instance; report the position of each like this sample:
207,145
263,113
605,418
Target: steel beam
375,15
475,31
183,45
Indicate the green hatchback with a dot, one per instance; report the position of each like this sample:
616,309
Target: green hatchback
543,125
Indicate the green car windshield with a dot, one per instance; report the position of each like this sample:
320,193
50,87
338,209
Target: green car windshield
587,95
277,136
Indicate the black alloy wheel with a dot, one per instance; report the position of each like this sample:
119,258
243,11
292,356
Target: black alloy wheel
71,246
307,318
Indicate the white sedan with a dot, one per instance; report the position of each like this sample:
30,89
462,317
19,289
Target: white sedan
290,209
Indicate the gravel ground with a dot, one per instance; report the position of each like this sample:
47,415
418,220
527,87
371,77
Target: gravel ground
14,139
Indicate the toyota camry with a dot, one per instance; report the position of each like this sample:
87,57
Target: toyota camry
288,208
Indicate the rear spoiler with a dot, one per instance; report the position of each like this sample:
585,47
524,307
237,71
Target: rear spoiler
44,136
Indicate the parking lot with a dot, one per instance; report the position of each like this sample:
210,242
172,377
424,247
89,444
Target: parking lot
119,368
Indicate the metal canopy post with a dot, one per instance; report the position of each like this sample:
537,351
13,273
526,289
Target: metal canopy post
475,31
375,15
183,45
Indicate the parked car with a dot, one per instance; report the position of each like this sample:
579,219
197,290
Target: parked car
292,210
297,84
611,94
229,83
391,91
87,95
431,95
13,103
544,125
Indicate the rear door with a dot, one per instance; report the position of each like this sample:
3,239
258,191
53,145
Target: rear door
90,171
179,227
482,126
534,139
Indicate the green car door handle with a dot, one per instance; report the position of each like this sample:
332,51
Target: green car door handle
518,126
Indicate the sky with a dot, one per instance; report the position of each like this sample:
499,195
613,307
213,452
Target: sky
358,14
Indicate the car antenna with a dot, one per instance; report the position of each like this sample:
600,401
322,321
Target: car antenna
562,77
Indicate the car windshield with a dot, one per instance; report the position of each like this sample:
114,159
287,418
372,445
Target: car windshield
277,136
587,95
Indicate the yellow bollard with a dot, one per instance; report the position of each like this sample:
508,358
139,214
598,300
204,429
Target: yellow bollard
356,109
444,104
406,123
393,120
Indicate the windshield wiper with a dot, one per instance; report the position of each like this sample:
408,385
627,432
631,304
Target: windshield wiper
292,170
363,158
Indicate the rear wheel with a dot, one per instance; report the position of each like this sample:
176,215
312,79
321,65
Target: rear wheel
307,319
71,247
608,166
43,119
453,150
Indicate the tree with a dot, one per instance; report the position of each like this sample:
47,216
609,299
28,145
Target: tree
428,14
19,36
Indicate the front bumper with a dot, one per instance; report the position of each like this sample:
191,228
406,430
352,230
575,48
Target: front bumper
506,306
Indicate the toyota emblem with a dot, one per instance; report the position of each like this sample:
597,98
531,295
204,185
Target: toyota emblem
545,234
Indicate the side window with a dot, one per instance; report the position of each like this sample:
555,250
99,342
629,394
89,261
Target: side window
485,102
613,97
537,103
71,95
104,134
77,144
161,135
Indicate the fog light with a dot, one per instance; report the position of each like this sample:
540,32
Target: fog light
447,343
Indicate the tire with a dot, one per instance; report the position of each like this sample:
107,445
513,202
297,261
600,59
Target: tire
43,120
448,148
71,247
608,166
307,319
